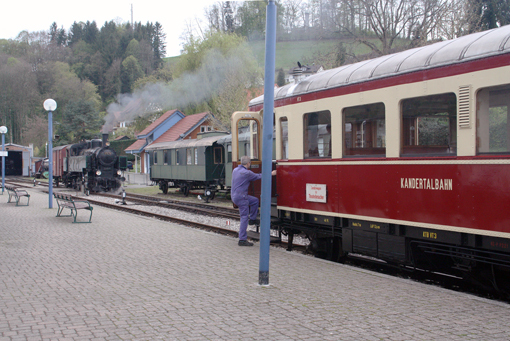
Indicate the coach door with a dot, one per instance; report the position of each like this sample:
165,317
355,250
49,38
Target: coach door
246,128
246,132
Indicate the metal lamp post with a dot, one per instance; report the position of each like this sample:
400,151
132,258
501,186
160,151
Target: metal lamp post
3,131
267,144
50,105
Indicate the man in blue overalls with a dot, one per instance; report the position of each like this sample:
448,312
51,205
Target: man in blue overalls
248,205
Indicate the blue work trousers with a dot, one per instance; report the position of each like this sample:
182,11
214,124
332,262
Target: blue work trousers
248,209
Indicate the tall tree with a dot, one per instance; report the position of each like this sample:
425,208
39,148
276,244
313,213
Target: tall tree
158,44
81,120
19,96
131,71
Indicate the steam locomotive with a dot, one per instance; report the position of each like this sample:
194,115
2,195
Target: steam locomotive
91,166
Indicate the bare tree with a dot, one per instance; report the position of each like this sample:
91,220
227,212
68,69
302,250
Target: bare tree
391,20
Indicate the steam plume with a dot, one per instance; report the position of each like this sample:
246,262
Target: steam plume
189,88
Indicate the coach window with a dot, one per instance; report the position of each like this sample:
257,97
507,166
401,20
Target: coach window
189,156
493,128
166,156
155,157
284,130
365,130
218,155
177,159
429,125
248,140
317,134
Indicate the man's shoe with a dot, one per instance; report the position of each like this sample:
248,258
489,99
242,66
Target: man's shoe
244,243
254,222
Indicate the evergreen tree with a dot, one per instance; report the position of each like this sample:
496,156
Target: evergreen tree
81,120
75,34
158,45
280,79
90,32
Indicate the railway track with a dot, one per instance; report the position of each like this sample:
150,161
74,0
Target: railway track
225,212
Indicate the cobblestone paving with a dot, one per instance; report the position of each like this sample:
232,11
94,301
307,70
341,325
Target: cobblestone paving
125,277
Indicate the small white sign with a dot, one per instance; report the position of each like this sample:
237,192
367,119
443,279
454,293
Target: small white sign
4,153
316,193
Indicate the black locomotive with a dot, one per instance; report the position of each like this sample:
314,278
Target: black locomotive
91,166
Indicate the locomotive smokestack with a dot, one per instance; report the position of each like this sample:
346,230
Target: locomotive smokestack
105,140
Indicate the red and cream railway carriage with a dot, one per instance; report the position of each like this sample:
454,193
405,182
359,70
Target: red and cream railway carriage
405,157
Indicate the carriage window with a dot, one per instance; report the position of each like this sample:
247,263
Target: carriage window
151,158
429,125
189,156
166,155
155,157
284,126
218,155
365,130
317,134
493,122
177,159
229,153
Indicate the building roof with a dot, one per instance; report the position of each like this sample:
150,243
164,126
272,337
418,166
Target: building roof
182,128
136,147
15,147
159,121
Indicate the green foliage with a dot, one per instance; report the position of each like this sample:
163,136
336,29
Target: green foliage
81,120
120,147
433,131
498,140
280,79
130,72
224,70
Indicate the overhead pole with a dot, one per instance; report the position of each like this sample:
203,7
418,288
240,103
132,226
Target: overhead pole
267,143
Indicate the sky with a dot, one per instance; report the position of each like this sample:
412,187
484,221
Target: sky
173,15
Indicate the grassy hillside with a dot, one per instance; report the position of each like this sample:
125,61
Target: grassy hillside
288,53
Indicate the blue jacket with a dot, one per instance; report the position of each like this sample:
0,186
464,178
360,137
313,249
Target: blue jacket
241,178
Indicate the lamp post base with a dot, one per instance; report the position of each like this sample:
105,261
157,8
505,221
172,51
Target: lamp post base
263,277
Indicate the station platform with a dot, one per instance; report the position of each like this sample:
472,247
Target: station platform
125,277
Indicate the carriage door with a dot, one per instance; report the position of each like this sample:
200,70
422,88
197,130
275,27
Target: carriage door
246,132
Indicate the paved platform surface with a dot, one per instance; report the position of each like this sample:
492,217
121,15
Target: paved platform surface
125,277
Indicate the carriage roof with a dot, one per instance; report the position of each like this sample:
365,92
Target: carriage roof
470,47
188,143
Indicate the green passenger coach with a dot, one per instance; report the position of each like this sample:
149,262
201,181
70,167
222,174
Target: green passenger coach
189,164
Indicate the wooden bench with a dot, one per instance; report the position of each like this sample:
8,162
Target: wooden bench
17,193
67,201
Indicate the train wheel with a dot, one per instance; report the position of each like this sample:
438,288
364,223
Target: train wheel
164,187
209,195
185,190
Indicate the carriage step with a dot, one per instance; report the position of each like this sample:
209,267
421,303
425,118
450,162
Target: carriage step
256,236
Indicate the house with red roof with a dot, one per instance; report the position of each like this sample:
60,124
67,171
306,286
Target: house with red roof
173,125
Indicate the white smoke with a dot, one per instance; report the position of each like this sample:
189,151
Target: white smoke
190,88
